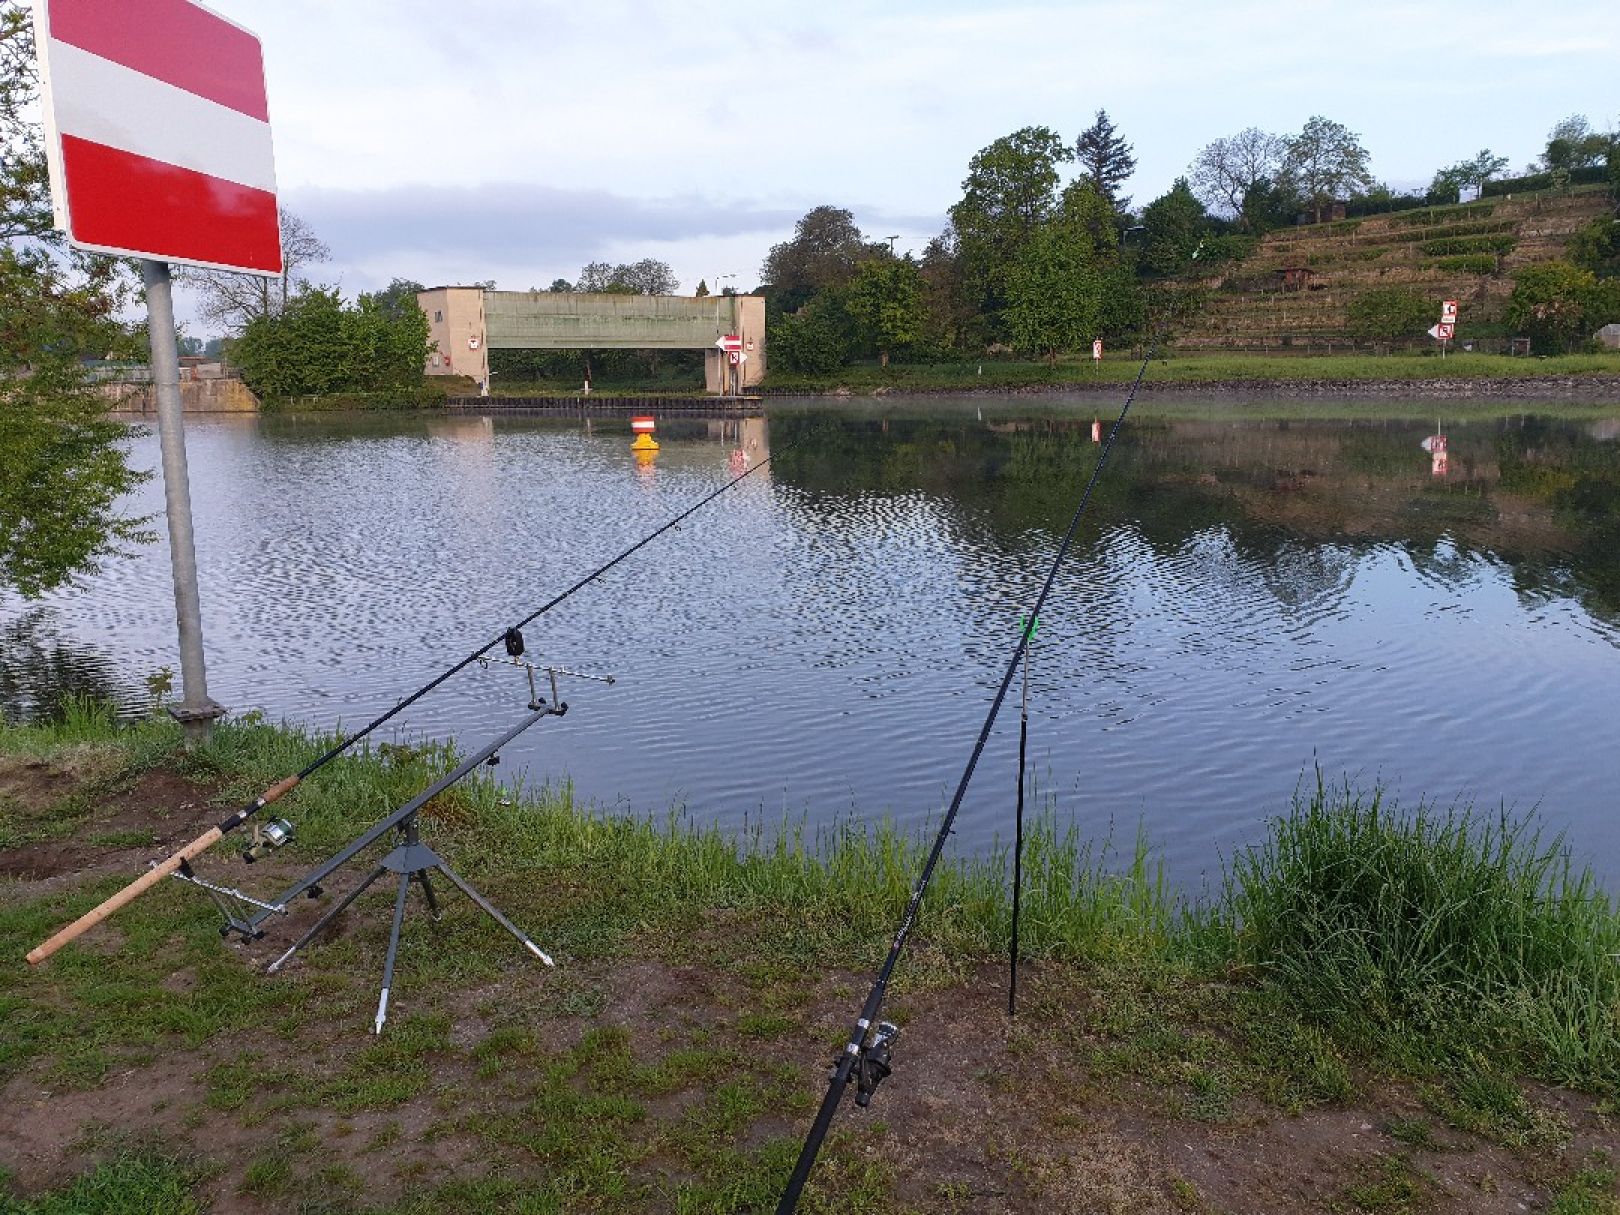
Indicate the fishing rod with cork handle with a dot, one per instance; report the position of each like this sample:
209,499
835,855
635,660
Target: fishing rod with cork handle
867,1058
511,638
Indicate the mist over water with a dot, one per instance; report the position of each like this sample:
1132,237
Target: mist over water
1247,598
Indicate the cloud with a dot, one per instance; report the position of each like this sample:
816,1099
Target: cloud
515,231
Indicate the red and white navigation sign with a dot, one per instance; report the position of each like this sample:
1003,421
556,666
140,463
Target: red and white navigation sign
1448,312
157,130
731,343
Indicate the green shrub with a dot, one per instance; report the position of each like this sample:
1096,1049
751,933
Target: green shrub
1469,244
1469,263
1391,312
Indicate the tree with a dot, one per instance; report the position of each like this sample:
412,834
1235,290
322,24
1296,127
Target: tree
886,303
1054,292
1449,183
1010,190
1226,171
232,301
1068,284
1573,144
64,466
815,340
702,291
1174,223
65,463
560,286
1596,247
646,277
1105,159
1326,162
1557,304
824,252
25,200
317,344
398,299
649,277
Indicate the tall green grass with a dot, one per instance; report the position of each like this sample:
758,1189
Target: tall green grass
1441,932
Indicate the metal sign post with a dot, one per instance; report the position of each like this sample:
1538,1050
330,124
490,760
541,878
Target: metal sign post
196,711
167,158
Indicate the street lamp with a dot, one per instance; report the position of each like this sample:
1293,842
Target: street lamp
718,290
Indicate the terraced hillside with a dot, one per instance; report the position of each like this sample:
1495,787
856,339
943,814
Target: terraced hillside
1293,292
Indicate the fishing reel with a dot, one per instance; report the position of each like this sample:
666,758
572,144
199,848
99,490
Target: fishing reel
267,837
874,1061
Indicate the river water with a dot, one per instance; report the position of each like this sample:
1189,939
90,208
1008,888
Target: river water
1248,598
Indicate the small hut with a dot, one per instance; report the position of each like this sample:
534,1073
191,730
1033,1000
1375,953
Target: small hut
1296,278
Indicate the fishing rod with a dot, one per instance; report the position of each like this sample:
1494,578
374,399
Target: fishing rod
511,638
867,1058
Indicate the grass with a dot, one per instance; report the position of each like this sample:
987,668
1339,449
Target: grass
1190,369
1457,950
1446,933
147,1183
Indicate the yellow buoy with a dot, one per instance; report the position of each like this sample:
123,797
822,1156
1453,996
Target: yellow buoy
644,443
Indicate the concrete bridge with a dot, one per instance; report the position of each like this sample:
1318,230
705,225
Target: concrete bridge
466,323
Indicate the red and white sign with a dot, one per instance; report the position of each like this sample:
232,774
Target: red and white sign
731,343
1434,443
1447,331
1448,312
643,426
157,131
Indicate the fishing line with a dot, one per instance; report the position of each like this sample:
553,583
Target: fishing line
867,1060
511,638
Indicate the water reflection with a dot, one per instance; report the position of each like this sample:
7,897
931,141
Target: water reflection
43,668
1245,598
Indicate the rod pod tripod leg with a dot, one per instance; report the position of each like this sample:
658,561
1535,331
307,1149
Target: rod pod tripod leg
411,858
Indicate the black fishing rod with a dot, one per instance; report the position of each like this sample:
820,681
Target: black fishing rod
512,638
867,1056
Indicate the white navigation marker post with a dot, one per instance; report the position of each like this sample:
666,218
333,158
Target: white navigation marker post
167,158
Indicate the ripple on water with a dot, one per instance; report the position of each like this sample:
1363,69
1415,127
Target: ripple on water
813,649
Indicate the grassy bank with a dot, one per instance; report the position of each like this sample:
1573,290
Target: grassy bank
998,374
1442,982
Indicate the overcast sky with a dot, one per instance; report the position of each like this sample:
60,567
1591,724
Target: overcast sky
516,140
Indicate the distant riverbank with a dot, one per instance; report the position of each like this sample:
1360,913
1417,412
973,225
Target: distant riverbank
1585,377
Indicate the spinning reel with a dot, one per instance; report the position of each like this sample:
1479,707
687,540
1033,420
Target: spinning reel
874,1061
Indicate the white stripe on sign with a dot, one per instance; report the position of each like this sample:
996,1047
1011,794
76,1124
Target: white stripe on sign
109,104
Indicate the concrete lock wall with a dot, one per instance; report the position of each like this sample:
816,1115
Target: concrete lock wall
464,323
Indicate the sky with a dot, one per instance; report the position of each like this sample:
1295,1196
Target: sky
517,140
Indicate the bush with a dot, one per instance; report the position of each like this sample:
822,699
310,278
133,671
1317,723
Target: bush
1469,263
1544,181
1468,244
1391,312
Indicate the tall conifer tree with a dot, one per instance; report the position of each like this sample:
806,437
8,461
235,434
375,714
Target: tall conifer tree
1106,159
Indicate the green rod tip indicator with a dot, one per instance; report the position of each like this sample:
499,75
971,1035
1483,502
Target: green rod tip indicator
1029,625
